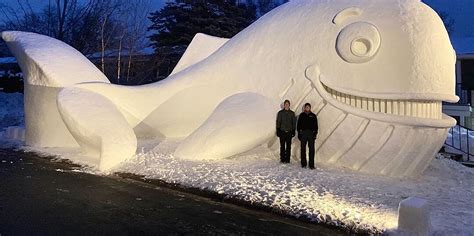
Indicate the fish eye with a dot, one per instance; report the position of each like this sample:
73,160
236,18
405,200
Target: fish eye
358,42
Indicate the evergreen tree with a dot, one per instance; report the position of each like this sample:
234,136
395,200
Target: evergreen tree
264,6
178,22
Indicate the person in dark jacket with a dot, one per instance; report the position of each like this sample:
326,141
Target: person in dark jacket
285,128
307,132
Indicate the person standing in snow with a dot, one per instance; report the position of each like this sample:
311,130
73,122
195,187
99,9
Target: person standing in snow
285,128
307,132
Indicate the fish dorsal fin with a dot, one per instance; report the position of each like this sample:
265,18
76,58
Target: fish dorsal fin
201,47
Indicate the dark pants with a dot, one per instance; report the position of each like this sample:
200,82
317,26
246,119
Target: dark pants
285,146
307,139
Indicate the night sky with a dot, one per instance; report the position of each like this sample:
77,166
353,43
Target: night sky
462,11
39,4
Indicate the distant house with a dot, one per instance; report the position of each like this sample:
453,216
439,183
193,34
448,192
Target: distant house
9,67
463,110
147,66
141,70
11,77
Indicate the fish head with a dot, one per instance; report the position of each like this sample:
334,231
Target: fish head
393,56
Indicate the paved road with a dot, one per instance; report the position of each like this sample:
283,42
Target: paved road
37,198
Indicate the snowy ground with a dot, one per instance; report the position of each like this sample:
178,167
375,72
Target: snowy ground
333,196
329,195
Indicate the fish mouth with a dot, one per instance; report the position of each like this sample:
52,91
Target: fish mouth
412,112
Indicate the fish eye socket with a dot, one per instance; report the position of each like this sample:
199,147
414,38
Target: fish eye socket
358,42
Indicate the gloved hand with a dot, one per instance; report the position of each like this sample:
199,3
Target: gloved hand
278,132
314,135
299,136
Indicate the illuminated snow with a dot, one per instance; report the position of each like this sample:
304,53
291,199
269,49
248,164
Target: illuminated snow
376,73
324,194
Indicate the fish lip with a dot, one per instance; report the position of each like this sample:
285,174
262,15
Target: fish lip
444,122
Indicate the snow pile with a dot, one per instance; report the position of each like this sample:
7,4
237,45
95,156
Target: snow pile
11,110
342,198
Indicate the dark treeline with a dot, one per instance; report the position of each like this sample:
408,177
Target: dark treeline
178,22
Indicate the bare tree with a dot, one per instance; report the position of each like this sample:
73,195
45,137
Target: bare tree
108,29
62,10
57,19
23,17
131,28
119,56
137,20
111,8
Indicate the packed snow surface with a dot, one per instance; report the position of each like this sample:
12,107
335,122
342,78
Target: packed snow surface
332,196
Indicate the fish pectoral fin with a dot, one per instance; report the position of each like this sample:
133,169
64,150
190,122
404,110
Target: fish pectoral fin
97,125
239,123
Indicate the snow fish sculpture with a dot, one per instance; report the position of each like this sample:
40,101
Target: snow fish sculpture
376,73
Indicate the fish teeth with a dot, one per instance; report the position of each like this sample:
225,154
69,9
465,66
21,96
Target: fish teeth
413,108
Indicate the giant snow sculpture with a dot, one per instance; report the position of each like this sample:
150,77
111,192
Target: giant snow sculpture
376,73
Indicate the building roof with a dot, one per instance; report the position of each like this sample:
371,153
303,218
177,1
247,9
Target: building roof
124,53
109,53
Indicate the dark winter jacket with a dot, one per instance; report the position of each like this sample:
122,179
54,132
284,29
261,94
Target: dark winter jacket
286,121
306,122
